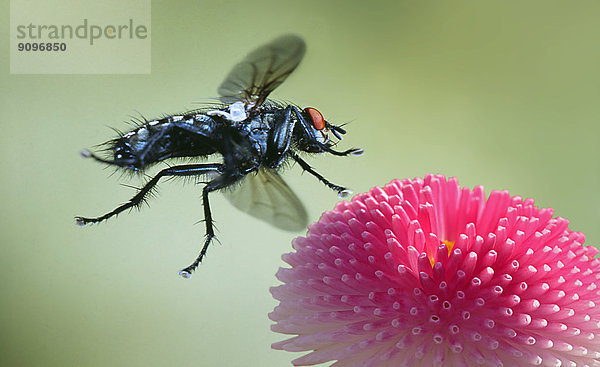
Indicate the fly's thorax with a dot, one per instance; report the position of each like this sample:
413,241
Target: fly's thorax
250,137
266,120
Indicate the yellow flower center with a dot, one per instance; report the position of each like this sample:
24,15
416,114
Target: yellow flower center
449,245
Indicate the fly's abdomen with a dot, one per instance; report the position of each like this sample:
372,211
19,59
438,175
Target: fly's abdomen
172,136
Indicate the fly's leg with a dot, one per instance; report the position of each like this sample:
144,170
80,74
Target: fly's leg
210,234
342,191
280,138
215,184
352,151
182,170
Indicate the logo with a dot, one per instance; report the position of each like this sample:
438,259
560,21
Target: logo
80,37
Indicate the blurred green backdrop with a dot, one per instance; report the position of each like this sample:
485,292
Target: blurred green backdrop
498,93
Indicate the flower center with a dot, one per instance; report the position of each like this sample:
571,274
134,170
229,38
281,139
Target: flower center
450,245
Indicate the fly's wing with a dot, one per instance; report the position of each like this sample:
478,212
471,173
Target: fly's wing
266,196
263,70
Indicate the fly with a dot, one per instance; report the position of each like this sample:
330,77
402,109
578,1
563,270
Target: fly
255,137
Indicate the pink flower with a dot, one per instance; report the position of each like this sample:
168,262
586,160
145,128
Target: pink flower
426,273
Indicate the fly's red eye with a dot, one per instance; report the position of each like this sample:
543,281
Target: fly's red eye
316,117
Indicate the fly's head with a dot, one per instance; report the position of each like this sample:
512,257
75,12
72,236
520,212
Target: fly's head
316,131
317,136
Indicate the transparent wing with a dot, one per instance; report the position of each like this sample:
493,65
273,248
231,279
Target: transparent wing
266,196
263,70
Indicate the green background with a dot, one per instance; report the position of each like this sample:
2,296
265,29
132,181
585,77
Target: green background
497,93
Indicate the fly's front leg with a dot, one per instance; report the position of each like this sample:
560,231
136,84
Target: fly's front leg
342,191
182,170
280,138
352,151
215,184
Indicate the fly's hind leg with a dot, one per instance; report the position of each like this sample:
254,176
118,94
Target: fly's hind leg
182,170
213,185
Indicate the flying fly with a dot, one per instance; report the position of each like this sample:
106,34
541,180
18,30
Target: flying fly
255,137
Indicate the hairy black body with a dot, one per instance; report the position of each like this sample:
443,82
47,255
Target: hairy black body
253,135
